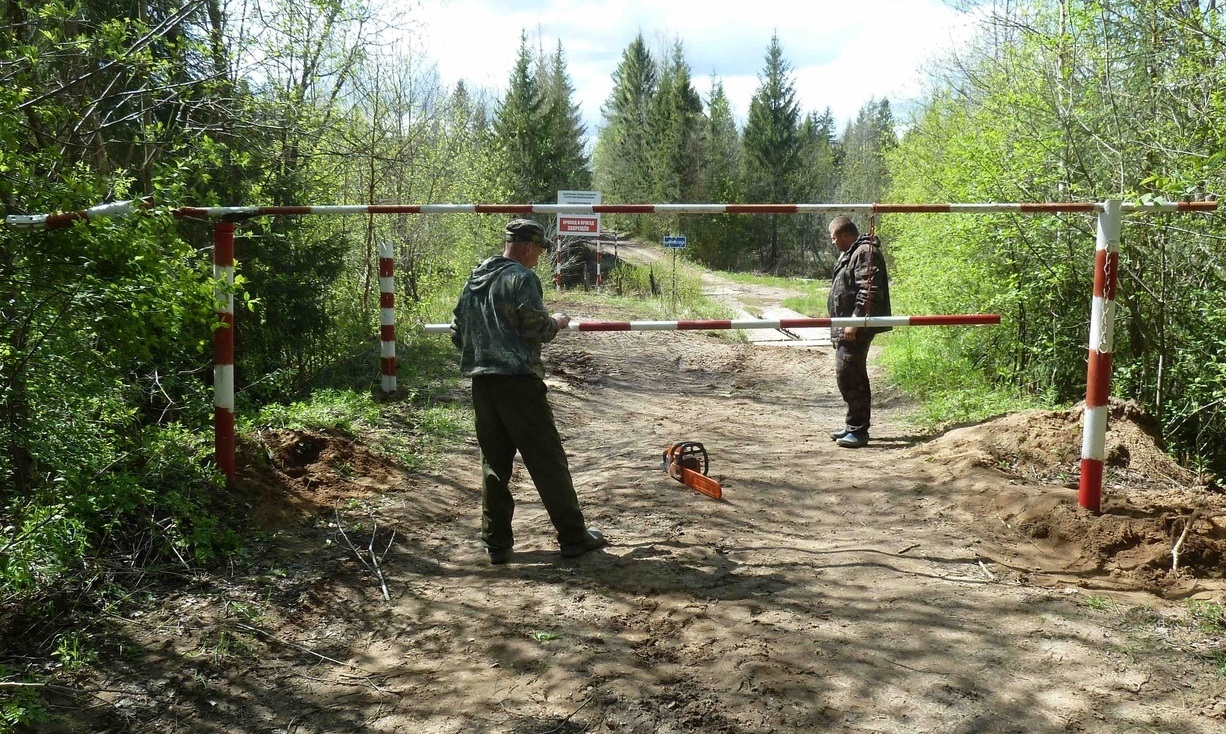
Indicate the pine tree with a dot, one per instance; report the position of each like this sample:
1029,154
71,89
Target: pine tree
772,146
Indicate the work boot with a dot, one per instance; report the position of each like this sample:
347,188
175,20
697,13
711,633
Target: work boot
854,440
836,435
499,556
593,539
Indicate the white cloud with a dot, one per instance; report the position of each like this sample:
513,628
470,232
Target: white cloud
842,54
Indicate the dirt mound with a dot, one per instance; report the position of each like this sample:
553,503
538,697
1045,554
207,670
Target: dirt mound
1045,446
289,477
1160,528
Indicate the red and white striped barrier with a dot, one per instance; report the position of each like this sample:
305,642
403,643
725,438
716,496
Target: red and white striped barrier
64,219
717,324
1105,279
223,348
240,212
61,220
387,317
1098,373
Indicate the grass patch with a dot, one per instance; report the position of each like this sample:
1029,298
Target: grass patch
327,408
814,307
948,385
627,290
1209,615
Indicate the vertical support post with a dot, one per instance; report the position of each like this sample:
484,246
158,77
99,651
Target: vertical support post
1098,371
223,348
597,261
387,317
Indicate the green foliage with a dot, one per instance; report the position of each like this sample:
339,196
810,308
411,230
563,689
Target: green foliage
523,130
347,410
867,142
21,706
718,240
1036,116
569,164
1210,615
675,119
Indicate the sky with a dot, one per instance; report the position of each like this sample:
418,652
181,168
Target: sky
842,53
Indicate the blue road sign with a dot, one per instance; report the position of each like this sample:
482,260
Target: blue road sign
675,242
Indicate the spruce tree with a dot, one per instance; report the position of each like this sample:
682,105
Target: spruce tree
718,237
568,162
623,152
676,126
522,132
866,143
772,147
816,182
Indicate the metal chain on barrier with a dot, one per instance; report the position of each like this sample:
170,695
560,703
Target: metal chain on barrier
1108,299
872,272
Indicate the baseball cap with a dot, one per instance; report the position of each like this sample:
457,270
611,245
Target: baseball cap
526,230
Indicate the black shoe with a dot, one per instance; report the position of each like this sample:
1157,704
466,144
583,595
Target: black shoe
591,542
854,440
499,556
836,435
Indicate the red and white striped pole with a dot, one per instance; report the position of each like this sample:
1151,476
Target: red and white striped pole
1098,372
716,324
223,348
387,317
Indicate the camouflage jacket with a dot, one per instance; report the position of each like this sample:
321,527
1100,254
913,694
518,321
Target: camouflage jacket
500,321
849,289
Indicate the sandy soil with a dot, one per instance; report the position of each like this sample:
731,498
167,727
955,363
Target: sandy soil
922,584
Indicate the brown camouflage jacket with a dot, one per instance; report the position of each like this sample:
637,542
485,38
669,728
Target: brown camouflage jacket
849,289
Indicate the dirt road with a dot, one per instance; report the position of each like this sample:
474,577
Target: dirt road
916,585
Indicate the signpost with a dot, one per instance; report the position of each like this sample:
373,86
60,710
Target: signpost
674,243
578,225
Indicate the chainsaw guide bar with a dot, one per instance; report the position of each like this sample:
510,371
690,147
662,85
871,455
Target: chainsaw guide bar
688,463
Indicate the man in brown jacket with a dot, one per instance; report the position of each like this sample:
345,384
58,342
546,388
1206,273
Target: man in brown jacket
860,287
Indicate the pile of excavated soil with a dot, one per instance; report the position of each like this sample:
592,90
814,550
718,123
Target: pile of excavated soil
290,477
1160,528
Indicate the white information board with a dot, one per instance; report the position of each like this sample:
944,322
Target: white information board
579,225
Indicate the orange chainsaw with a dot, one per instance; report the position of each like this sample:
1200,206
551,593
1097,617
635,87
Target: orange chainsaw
688,463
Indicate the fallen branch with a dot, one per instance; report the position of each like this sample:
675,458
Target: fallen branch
68,691
375,558
307,650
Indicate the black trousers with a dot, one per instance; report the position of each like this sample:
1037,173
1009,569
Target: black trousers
851,373
513,414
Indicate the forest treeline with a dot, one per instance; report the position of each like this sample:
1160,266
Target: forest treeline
105,363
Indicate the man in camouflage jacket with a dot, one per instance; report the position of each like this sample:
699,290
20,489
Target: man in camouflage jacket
860,287
499,326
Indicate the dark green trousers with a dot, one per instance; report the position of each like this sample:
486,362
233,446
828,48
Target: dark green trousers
513,414
851,374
